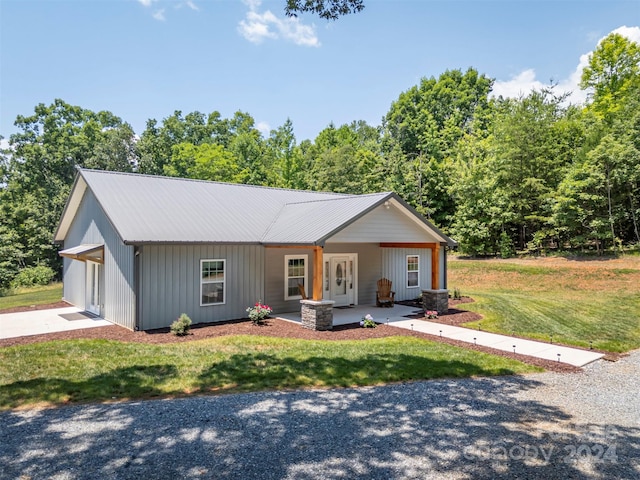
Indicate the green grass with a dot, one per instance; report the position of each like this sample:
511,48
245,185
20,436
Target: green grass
73,371
575,302
32,296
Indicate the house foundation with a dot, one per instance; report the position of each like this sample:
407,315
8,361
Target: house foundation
317,314
437,300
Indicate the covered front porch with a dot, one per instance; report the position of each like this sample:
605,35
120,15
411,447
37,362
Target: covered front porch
353,314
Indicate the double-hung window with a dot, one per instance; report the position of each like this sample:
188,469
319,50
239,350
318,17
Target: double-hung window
413,271
212,282
295,273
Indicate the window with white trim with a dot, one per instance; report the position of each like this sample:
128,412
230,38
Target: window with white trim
295,273
212,282
413,271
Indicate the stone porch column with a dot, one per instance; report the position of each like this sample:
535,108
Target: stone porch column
317,314
437,300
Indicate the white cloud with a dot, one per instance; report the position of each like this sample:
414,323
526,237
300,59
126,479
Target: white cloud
4,144
256,27
525,81
159,15
518,85
264,128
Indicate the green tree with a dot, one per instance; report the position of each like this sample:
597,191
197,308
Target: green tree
482,216
426,123
157,141
613,73
204,162
533,146
38,173
327,9
346,159
286,167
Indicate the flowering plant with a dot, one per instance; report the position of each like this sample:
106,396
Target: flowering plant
431,314
367,322
259,312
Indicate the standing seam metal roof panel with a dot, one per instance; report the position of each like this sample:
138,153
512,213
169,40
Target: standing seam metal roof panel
146,209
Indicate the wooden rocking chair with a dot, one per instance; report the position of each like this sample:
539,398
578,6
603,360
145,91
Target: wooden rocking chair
384,295
303,294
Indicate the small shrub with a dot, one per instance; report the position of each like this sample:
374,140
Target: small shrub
259,312
181,326
431,314
367,322
32,276
456,294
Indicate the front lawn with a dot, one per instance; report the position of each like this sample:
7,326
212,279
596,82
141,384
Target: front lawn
575,301
59,372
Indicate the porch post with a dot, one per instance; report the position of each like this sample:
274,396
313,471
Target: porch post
435,298
435,266
318,266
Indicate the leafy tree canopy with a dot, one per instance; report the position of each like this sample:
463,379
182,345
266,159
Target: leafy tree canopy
327,9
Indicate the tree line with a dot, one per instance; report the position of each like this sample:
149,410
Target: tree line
498,175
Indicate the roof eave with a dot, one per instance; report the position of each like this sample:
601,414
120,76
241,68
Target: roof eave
63,223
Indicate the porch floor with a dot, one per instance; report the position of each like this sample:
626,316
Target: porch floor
345,316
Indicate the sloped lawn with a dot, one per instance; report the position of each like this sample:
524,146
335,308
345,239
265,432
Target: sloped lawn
25,297
575,301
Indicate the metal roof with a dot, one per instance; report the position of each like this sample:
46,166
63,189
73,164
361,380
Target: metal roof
154,209
314,221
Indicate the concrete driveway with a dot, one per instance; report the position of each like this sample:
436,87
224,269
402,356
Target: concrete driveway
37,322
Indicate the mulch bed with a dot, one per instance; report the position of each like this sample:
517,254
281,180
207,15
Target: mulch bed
282,328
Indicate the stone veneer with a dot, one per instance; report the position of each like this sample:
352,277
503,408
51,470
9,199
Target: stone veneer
437,300
317,315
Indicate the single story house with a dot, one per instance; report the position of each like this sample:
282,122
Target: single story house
140,250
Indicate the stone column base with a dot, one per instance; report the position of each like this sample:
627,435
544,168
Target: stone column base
437,300
317,315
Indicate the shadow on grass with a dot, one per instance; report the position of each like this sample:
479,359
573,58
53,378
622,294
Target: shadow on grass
243,372
251,371
130,382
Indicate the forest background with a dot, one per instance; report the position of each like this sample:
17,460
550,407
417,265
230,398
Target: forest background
500,175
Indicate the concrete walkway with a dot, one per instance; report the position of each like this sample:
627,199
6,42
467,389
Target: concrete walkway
37,322
547,351
399,316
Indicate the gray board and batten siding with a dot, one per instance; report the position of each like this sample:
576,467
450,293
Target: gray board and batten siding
117,292
170,282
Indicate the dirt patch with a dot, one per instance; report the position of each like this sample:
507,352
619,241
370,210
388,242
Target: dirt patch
283,329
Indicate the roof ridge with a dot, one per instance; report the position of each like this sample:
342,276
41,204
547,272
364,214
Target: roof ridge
343,196
198,180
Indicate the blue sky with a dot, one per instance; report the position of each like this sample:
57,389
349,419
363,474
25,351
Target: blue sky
143,59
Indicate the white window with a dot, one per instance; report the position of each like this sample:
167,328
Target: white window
295,273
413,271
212,282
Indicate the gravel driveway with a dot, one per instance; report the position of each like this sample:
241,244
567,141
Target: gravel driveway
548,425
